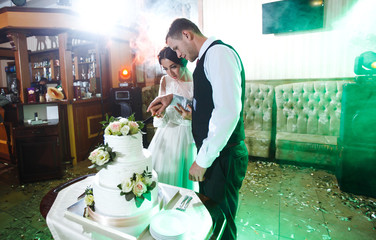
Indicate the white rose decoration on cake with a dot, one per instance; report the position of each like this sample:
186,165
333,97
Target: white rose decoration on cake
114,128
133,127
100,156
89,200
125,130
139,188
127,185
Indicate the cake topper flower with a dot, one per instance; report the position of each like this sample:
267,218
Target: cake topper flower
139,187
120,126
102,155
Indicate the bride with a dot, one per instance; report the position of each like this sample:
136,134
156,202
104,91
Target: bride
172,147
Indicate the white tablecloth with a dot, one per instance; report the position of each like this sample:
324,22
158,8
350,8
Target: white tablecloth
62,227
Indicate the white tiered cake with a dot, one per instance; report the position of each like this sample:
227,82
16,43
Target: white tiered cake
125,190
130,158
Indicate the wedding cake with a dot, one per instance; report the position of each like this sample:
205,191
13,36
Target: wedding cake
125,187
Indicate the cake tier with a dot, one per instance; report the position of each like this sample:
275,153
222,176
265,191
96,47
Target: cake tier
128,148
114,173
109,202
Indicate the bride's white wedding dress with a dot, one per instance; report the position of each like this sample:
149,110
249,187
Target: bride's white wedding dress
172,147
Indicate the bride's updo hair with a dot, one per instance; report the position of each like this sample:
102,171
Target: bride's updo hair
168,53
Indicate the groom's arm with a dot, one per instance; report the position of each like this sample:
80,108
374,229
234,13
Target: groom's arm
159,104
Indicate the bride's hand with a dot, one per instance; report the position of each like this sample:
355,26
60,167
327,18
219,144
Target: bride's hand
186,114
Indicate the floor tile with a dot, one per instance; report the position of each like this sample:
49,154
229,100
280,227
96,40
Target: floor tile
248,233
264,220
302,228
300,203
353,229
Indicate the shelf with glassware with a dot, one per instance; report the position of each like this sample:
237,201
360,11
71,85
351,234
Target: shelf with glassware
85,73
45,64
44,73
47,69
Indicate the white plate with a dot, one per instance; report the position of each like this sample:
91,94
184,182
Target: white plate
169,224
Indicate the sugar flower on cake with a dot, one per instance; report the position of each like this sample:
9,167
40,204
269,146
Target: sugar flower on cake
121,126
89,199
138,187
102,155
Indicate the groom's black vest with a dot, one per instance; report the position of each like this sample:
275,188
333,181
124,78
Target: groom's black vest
203,103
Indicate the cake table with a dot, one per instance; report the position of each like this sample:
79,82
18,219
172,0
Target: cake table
63,213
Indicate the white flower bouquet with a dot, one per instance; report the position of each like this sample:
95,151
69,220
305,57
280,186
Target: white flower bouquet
102,155
89,198
121,126
139,187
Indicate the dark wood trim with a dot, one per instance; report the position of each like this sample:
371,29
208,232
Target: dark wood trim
22,63
65,56
42,10
6,53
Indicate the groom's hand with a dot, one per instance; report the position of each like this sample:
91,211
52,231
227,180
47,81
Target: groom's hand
196,173
159,104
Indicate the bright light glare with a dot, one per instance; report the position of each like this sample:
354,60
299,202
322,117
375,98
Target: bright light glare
125,72
362,17
101,16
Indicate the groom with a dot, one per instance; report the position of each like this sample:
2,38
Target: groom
217,116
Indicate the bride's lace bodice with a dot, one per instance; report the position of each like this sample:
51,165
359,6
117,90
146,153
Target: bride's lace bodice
184,89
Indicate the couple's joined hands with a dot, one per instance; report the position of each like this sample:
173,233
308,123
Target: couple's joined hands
159,105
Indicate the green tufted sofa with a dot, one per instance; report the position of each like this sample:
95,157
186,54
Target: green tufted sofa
258,107
308,121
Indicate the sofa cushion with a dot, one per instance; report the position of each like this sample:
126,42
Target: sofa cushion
258,143
258,118
308,139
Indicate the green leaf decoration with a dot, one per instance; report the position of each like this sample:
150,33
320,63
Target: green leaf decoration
147,195
119,186
140,124
129,196
152,185
139,201
131,117
89,191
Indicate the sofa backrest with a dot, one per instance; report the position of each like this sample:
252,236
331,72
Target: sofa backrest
258,106
309,107
148,95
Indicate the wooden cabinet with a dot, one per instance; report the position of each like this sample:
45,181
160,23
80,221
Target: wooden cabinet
79,59
87,129
38,152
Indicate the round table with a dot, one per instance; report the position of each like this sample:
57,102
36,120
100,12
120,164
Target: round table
218,218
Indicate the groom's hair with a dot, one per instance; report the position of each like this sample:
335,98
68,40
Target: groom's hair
180,24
